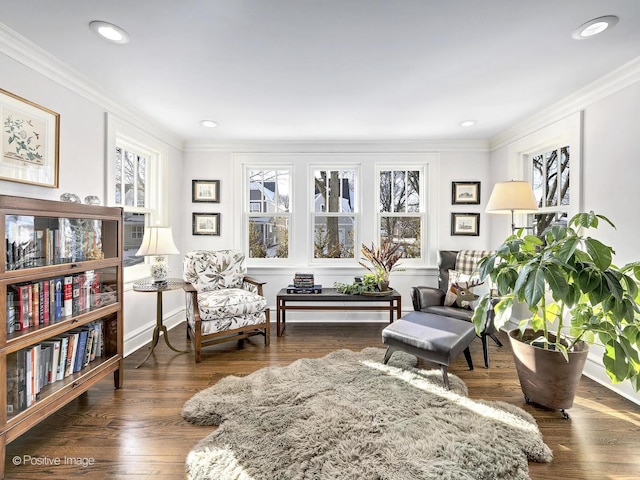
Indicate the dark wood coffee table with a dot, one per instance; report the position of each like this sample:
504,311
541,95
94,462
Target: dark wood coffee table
390,302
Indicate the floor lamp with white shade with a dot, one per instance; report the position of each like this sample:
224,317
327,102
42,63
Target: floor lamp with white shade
512,196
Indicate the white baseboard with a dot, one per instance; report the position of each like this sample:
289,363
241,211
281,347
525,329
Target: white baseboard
594,370
142,335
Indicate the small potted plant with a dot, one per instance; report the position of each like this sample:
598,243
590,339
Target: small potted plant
381,261
566,279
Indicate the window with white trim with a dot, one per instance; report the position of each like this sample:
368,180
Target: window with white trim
333,219
268,211
401,209
550,180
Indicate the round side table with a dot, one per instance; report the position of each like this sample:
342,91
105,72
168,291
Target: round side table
147,285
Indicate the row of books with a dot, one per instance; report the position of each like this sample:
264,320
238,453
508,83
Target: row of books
35,241
43,301
31,369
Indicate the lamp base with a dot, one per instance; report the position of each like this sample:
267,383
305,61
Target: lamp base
160,270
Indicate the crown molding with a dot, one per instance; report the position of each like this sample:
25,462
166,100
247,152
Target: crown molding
25,52
336,146
619,79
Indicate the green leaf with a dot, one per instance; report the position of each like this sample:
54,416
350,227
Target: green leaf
602,217
557,283
533,239
503,312
588,279
479,317
599,252
563,350
567,249
534,286
612,279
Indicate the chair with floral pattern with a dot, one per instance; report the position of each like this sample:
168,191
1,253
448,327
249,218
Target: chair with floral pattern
223,304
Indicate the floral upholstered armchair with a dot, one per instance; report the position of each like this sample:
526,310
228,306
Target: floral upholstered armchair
223,304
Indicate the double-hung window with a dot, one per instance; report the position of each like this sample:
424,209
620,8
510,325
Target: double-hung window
334,212
268,212
401,208
136,182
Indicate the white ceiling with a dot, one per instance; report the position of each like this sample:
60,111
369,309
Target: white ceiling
334,69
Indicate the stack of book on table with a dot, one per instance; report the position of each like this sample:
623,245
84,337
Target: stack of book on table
304,283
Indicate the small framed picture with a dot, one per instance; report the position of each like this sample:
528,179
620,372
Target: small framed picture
205,191
465,224
465,193
206,224
30,138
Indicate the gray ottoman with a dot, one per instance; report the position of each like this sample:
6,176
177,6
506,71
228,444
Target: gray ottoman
432,337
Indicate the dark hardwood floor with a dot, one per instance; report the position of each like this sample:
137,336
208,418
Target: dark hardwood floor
137,432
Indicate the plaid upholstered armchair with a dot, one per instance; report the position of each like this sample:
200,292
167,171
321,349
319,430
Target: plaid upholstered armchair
455,279
223,304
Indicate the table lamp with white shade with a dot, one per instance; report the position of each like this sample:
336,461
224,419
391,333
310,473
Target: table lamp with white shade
158,242
512,196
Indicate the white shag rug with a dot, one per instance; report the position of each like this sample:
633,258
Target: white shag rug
347,416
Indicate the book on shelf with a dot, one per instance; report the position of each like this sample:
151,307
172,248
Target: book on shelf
13,387
72,349
52,299
58,297
45,301
75,297
67,296
24,304
80,354
52,367
62,361
44,365
313,289
11,310
35,304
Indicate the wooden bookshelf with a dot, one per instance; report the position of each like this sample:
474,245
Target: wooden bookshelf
45,245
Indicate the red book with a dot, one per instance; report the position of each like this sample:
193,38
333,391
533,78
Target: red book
24,306
35,303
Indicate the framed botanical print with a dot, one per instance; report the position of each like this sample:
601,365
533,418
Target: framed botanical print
205,191
465,193
206,224
465,224
29,139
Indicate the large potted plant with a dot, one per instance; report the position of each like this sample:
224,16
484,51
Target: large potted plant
576,296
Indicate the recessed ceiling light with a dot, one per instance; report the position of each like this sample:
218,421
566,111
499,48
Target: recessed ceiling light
467,123
208,123
110,32
594,27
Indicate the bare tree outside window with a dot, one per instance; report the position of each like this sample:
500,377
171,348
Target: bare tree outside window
400,208
550,180
334,222
131,194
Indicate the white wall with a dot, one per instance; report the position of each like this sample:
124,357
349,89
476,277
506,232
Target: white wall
457,162
82,171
